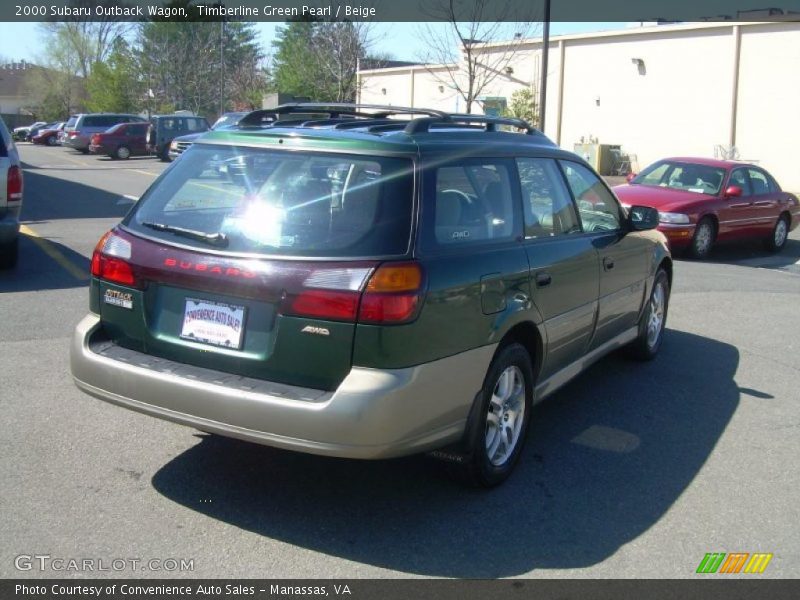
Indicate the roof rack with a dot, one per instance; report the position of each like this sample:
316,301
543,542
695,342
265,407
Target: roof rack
333,110
374,118
423,125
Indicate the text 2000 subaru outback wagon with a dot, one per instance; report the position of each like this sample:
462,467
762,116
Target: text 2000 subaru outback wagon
333,280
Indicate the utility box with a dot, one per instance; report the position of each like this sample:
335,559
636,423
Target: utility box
600,156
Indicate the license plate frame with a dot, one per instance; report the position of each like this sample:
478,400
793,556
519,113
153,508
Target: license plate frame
214,323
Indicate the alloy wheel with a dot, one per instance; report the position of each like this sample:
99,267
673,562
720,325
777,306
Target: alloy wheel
506,415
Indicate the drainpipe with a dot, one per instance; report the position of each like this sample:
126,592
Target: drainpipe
737,51
412,87
560,108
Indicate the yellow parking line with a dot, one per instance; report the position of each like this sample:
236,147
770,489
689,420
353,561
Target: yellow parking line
53,252
145,172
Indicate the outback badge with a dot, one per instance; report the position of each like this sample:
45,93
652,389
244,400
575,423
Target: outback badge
117,298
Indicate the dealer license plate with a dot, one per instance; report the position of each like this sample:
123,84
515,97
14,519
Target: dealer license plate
213,323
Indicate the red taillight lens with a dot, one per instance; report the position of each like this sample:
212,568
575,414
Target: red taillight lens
108,260
96,139
14,186
72,134
325,304
393,294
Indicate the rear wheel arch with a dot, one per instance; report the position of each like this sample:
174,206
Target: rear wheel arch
527,334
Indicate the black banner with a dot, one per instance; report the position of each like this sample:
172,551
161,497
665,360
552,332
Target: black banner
747,587
405,11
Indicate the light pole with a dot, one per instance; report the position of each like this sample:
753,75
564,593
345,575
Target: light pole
545,53
221,67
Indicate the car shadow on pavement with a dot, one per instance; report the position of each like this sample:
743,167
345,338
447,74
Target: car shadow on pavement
754,254
606,457
51,198
36,270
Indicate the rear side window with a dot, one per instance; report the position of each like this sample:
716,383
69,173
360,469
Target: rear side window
471,202
139,129
598,209
546,203
196,125
72,121
759,182
283,203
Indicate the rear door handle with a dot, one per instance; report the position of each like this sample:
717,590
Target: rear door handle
543,279
608,263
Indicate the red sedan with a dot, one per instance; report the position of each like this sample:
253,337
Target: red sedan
48,137
702,201
121,141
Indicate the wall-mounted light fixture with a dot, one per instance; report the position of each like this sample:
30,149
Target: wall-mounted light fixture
597,101
639,62
441,89
509,70
383,91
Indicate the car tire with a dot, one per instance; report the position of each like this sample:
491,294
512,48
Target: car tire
653,320
780,234
122,153
84,151
9,253
703,239
492,447
52,141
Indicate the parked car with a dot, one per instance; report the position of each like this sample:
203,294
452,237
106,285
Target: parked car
10,198
370,289
121,141
80,128
34,131
702,201
165,128
48,136
180,144
20,133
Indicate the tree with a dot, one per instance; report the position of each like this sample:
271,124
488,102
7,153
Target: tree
114,85
319,59
202,66
471,26
523,106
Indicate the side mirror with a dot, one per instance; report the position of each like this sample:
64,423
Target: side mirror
733,191
630,176
642,218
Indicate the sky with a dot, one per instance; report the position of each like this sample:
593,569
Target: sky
20,41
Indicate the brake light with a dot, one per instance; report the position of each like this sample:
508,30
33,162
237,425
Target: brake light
393,294
96,139
14,185
109,260
72,134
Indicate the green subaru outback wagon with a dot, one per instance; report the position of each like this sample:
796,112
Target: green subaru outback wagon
369,282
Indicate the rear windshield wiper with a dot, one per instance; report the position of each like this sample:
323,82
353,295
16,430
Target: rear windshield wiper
215,239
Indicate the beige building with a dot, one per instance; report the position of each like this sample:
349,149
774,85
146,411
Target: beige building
695,89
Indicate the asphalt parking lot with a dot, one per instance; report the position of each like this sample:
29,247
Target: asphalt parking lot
630,471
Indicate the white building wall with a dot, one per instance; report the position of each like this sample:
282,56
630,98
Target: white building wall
768,123
677,105
681,103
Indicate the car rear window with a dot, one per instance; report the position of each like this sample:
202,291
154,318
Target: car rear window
71,122
282,203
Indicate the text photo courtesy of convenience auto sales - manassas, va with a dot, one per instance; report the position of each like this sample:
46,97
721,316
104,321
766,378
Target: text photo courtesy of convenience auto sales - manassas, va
434,299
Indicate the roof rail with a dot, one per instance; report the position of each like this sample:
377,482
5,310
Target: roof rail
423,124
333,110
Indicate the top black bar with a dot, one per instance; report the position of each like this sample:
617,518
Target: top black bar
408,11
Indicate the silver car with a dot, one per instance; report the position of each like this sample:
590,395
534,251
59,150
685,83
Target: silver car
10,198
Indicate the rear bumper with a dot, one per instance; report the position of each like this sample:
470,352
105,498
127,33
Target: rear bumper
78,143
373,414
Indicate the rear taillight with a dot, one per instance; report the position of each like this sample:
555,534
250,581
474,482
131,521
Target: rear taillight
96,139
72,134
14,185
109,260
392,294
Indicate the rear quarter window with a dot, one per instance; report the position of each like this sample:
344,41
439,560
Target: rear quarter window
283,203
